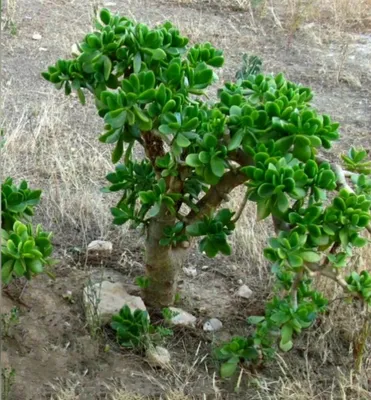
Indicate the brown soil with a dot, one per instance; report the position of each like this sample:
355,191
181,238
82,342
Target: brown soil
51,349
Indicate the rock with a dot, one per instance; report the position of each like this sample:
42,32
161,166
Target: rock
245,292
158,357
43,49
182,318
205,268
213,325
109,4
36,36
240,281
191,272
107,298
99,249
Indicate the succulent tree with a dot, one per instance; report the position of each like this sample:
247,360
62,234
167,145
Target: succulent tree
180,155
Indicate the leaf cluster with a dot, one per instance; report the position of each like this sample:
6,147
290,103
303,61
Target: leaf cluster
134,330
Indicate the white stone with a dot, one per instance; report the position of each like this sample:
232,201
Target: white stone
213,325
109,4
106,299
158,357
240,281
205,268
43,49
245,292
100,248
191,272
36,36
182,317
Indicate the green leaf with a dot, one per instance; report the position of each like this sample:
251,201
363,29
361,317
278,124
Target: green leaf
204,157
137,63
217,166
193,161
216,62
158,54
286,333
147,96
6,271
154,210
284,144
359,241
280,317
165,129
286,346
263,209
182,141
81,96
196,229
295,261
107,67
224,248
209,247
302,153
236,140
105,16
203,78
18,268
36,266
344,239
310,256
118,151
272,109
282,203
228,369
210,141
255,320
116,118
266,190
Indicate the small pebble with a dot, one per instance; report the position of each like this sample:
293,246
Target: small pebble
191,272
213,325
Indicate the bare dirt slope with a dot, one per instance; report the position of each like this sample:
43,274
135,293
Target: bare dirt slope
52,142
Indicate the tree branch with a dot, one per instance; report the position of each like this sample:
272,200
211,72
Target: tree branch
241,158
216,194
340,174
242,207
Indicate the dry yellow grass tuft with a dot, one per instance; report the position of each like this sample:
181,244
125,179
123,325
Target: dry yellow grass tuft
340,15
56,157
250,236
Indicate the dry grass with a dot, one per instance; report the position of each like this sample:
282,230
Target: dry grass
69,166
9,15
250,236
339,15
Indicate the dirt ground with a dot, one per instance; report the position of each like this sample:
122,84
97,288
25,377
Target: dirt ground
52,142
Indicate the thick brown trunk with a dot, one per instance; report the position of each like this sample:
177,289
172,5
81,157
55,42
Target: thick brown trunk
162,265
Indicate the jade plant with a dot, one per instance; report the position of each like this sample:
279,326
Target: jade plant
134,330
25,249
179,155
